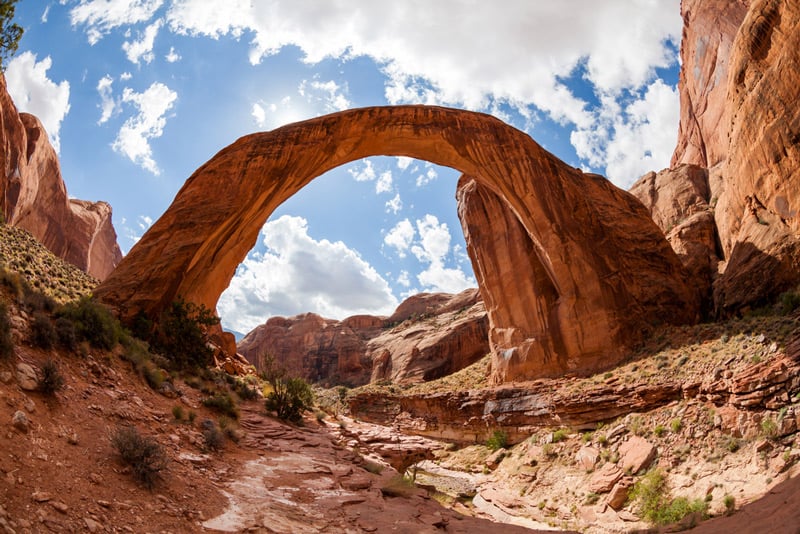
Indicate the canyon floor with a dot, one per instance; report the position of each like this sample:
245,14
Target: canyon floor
715,407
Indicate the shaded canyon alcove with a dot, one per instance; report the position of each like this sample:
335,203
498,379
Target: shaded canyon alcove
572,269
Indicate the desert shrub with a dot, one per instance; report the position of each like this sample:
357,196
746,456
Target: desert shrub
177,412
6,340
592,498
93,322
675,425
560,435
213,438
144,455
223,403
152,375
51,379
636,425
245,390
769,428
290,397
789,301
498,440
659,430
43,333
34,301
182,335
65,331
730,504
651,493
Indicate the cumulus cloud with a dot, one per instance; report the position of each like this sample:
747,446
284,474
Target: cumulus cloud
384,183
142,50
394,205
442,53
101,16
326,97
133,139
107,103
363,172
403,162
35,93
172,56
297,274
400,237
632,140
427,177
432,249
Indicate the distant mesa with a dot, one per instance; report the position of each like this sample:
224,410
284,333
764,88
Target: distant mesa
572,269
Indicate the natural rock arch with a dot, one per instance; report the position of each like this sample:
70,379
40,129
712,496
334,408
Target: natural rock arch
609,273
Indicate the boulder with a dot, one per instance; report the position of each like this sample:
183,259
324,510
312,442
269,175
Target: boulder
604,479
26,376
636,454
35,198
619,493
587,457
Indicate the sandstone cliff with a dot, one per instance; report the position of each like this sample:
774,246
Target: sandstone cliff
34,196
429,335
738,229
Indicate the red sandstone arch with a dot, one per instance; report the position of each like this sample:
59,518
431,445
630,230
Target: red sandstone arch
572,268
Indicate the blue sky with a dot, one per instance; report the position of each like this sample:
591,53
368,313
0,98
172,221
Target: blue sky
137,94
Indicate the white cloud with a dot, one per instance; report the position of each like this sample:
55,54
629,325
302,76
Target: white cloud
403,162
432,248
633,140
394,205
441,52
327,97
142,50
365,173
125,76
102,16
403,279
259,114
133,139
35,93
172,56
43,19
384,183
400,237
426,178
298,274
107,103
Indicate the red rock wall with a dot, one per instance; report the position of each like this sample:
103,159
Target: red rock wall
35,198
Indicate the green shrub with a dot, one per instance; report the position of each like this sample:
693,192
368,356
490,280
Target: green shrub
592,498
789,302
659,430
43,333
177,412
51,379
93,322
144,455
769,428
730,504
498,440
6,340
152,375
34,301
213,438
223,403
675,425
245,390
560,435
182,335
651,494
65,331
290,397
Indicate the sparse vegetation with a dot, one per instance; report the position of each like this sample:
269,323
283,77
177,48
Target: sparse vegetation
659,430
144,455
6,340
51,380
177,412
498,440
289,397
651,493
223,403
730,504
93,322
43,333
560,435
182,335
213,438
675,425
769,428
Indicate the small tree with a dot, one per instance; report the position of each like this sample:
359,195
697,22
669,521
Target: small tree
290,397
183,334
10,32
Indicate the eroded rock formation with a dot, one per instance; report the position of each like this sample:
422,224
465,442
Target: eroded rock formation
34,196
612,273
429,335
740,121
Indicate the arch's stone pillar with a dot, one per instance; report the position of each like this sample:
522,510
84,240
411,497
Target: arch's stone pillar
604,270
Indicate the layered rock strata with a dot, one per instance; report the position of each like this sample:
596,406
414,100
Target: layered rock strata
429,335
612,273
35,198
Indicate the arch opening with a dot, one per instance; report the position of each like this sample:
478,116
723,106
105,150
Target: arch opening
614,270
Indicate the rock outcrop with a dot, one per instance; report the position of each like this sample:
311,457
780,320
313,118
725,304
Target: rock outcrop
741,123
611,273
34,196
429,335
